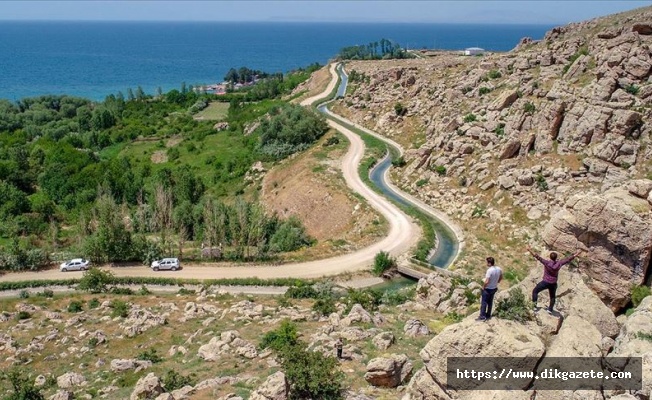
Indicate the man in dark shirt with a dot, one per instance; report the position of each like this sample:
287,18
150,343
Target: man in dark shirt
550,272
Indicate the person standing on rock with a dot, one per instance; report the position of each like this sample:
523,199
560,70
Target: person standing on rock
489,288
551,269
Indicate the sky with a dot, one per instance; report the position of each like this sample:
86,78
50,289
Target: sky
434,11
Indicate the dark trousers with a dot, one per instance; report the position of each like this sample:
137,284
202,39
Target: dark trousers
487,302
339,352
541,286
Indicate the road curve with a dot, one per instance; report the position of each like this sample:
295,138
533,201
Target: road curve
403,234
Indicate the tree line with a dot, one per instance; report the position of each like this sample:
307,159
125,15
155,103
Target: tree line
383,49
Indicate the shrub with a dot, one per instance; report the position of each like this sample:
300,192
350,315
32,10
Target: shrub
172,380
466,89
93,303
638,294
484,90
144,291
541,182
75,306
120,309
478,211
500,129
149,355
399,109
301,291
513,276
290,236
469,118
173,153
421,182
333,140
285,336
24,294
515,307
399,162
23,315
311,375
45,293
383,262
95,280
440,170
22,385
529,108
453,317
324,306
632,89
92,342
369,299
396,297
644,336
122,291
494,74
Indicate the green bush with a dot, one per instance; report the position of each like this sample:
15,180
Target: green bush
469,118
494,74
95,280
383,262
149,355
400,109
644,336
185,292
513,276
172,380
92,342
638,293
399,162
516,307
23,315
421,182
93,303
311,375
333,140
500,129
529,108
144,291
125,291
453,317
285,336
24,294
290,236
369,299
120,308
541,182
484,90
22,385
440,170
45,293
396,297
632,89
75,306
301,291
324,306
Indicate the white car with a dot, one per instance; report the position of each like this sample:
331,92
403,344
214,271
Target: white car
76,264
166,263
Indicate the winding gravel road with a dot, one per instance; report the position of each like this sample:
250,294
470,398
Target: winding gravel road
403,233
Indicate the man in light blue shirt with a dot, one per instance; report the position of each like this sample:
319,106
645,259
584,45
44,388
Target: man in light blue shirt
489,288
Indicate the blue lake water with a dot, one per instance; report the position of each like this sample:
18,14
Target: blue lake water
94,59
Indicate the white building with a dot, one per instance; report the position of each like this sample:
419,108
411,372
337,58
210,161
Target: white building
473,51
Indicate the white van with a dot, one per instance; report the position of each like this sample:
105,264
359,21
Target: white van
166,263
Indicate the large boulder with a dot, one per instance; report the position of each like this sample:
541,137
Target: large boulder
414,328
614,229
388,371
147,387
70,379
275,387
634,341
495,338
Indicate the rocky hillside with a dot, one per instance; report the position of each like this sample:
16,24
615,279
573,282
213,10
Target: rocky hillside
548,143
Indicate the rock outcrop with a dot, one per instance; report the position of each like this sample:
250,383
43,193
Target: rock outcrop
275,387
614,228
388,371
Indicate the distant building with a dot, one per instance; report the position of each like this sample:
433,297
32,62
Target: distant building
473,51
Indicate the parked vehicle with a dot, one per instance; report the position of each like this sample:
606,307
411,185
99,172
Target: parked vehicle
166,263
76,264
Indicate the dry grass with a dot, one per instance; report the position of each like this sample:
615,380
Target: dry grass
216,111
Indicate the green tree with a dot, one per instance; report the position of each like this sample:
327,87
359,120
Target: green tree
291,235
95,280
383,262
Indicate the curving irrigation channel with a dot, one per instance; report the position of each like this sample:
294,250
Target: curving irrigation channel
446,248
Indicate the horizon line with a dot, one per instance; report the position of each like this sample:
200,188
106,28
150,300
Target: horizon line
283,21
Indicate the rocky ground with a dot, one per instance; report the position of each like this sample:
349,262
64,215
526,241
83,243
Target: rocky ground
103,349
507,144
